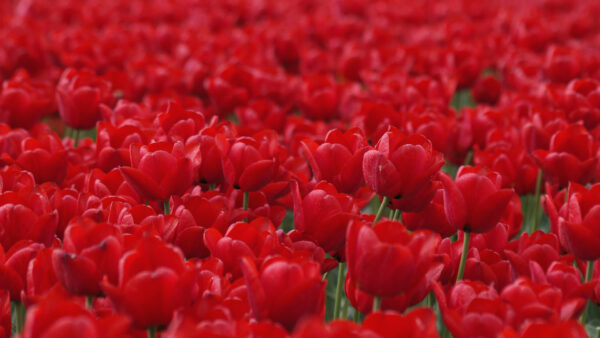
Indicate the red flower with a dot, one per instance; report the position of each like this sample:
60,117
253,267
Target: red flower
322,215
285,290
475,201
472,309
5,315
159,170
79,94
91,251
13,267
212,147
419,322
432,217
112,144
153,282
339,159
571,157
178,124
24,102
39,227
571,328
57,316
319,98
401,167
386,259
45,157
255,240
250,164
487,90
580,233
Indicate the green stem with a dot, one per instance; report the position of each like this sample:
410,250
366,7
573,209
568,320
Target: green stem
152,332
536,202
245,203
384,202
345,308
463,257
376,304
89,302
469,157
429,300
75,137
19,313
338,291
589,271
166,207
396,214
356,316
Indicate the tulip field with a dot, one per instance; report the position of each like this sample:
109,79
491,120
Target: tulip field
299,168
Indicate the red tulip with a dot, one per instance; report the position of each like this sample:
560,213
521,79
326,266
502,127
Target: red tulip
5,315
13,267
432,217
57,316
45,157
112,144
40,227
319,98
580,234
400,167
79,94
250,164
178,124
213,148
284,290
153,282
571,157
339,159
472,309
254,240
386,259
475,202
315,327
419,322
23,101
487,90
571,328
91,251
322,215
159,170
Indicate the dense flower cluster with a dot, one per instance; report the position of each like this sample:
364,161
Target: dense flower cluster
299,168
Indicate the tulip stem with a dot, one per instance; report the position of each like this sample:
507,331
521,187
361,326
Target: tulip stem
345,309
89,302
19,313
376,304
356,316
536,202
245,203
75,137
152,332
384,202
463,257
469,157
166,207
338,291
589,271
246,200
396,216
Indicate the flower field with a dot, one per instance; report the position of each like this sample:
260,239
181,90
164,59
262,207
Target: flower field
299,168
